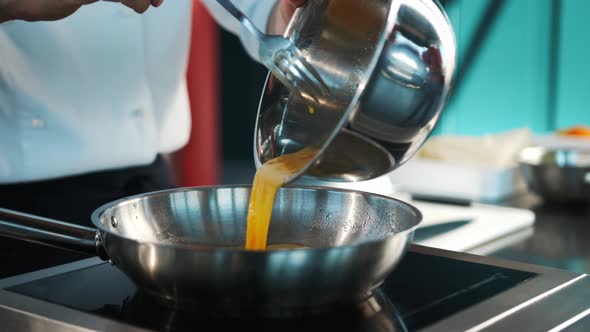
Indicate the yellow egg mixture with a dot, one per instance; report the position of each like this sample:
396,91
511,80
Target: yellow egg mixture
268,180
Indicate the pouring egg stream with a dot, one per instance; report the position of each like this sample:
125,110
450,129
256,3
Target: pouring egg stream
268,180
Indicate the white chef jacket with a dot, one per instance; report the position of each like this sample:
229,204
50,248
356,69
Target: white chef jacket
102,89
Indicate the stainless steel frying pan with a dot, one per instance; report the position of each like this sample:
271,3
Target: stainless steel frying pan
184,244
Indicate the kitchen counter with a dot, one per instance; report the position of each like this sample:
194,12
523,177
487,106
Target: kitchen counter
561,236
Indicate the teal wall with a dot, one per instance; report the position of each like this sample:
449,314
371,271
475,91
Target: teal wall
508,85
574,75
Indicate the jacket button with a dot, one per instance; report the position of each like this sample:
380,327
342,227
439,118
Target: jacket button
37,123
137,113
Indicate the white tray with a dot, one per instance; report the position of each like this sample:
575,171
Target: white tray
489,230
463,181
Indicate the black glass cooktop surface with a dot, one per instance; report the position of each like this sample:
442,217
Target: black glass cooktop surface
422,290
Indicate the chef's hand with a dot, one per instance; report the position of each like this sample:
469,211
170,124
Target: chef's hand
140,6
51,10
282,14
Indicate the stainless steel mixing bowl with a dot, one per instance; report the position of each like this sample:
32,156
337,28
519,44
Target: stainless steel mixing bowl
557,174
389,65
184,244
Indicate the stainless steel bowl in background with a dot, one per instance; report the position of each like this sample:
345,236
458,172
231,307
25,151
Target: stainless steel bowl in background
557,174
389,65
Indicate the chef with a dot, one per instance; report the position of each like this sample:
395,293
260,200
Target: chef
92,94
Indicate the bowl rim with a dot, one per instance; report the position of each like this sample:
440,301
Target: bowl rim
533,155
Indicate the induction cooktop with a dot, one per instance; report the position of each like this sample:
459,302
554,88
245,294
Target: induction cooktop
431,289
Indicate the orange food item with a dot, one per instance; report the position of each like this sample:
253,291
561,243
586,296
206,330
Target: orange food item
576,131
267,181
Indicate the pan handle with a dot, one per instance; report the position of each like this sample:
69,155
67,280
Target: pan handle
50,232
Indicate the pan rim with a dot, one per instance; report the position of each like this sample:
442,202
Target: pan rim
97,213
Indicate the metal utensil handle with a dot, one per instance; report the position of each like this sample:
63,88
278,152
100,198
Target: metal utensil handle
50,232
244,20
587,178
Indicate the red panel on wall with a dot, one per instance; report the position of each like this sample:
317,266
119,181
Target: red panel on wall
199,163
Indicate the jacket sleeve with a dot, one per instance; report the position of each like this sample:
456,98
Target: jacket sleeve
258,11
